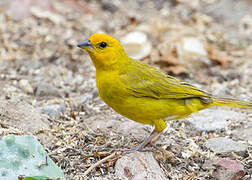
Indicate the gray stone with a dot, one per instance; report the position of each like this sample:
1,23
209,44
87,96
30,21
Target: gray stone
22,116
245,133
214,119
54,110
83,99
137,166
224,145
42,89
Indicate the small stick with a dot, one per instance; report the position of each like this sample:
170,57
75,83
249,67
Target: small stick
114,154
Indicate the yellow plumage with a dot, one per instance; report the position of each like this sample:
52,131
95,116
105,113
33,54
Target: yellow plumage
142,93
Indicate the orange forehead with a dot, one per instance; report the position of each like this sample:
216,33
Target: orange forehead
97,38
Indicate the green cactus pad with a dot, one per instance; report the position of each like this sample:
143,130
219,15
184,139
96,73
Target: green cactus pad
24,155
36,178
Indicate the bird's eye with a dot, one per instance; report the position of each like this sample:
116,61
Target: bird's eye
103,44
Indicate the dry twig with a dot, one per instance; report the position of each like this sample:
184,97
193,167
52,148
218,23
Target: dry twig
114,154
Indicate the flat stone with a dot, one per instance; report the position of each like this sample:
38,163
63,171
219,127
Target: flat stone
138,165
42,89
214,119
22,116
224,145
228,169
54,110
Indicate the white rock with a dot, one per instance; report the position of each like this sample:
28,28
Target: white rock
214,119
137,166
136,44
193,45
26,86
224,145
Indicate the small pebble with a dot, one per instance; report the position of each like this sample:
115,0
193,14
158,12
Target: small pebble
26,86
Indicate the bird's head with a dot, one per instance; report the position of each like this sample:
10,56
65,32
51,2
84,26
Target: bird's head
105,51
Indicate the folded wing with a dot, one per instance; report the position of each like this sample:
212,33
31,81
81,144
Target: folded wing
142,80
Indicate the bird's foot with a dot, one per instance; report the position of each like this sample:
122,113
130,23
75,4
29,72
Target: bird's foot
154,136
137,148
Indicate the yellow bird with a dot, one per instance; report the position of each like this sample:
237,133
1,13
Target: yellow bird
142,93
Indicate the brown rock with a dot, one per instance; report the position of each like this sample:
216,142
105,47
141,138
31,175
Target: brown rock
229,170
138,165
22,116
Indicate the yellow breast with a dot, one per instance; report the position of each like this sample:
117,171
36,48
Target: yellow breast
143,109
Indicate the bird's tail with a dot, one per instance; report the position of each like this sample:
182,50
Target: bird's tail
231,102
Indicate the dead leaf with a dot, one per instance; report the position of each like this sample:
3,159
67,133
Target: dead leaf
170,57
176,70
218,56
72,114
169,62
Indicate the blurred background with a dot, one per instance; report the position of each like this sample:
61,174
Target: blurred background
204,42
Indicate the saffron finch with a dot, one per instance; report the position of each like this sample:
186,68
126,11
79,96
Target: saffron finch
142,93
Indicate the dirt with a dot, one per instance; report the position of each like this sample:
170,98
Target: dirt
38,45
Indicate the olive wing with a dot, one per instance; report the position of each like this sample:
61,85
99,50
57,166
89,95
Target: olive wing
142,80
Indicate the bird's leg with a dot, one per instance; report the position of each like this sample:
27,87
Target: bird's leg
154,136
160,126
155,139
151,139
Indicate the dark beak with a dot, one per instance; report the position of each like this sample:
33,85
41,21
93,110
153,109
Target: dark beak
84,44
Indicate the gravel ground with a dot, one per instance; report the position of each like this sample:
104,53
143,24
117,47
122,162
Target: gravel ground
41,67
